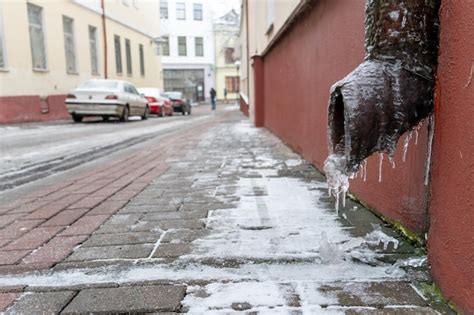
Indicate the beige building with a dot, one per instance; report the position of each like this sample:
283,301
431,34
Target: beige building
48,47
226,36
262,22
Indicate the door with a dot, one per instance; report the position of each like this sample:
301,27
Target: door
132,99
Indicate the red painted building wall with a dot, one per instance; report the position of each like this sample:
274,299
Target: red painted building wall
451,234
30,108
326,44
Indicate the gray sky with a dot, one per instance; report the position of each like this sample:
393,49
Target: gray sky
221,7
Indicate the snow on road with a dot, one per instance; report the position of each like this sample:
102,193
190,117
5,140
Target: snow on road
26,146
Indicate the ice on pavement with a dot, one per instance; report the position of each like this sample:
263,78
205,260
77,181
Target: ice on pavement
283,236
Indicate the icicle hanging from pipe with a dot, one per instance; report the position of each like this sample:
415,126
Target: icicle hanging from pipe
391,91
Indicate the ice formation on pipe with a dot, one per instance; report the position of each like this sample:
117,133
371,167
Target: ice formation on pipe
389,93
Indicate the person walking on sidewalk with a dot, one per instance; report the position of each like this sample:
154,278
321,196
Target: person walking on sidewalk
225,95
213,98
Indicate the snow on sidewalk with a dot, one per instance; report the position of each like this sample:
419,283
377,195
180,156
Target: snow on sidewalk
277,247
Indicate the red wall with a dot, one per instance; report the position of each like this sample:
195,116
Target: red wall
325,45
29,108
451,235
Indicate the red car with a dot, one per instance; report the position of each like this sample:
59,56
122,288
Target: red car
159,105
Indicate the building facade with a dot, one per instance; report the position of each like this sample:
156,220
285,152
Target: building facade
187,47
226,35
50,47
293,51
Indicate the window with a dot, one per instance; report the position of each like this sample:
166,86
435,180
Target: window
189,83
128,88
93,49
142,60
181,11
164,9
182,46
198,47
128,56
165,46
118,54
229,55
69,47
38,49
197,10
232,84
3,59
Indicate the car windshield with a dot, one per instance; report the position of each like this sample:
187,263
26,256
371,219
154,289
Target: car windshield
99,85
174,95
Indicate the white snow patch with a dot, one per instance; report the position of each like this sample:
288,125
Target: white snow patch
245,128
223,295
293,162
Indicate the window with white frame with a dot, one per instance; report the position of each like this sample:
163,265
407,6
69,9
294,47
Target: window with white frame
197,11
69,47
164,9
181,11
93,49
3,55
199,46
182,49
142,59
128,56
165,46
118,54
37,41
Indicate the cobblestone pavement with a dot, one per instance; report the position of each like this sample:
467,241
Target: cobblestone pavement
223,219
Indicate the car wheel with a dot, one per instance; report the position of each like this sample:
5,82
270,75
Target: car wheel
76,118
105,118
146,113
125,114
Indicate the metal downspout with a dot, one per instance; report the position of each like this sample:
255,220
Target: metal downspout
102,4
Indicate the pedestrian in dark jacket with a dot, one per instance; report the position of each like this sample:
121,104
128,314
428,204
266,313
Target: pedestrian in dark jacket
213,98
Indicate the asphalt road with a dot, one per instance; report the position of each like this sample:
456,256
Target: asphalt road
29,152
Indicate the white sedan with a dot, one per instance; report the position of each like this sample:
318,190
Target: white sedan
106,98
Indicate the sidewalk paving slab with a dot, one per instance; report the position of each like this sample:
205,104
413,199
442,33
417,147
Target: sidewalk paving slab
41,303
127,300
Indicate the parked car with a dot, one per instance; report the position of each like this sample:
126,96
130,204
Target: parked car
158,103
106,98
180,104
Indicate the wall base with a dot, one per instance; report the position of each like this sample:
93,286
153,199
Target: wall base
32,108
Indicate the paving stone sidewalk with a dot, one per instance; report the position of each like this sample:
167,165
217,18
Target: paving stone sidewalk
227,219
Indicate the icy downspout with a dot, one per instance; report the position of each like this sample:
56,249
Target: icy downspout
389,93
